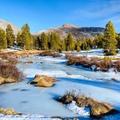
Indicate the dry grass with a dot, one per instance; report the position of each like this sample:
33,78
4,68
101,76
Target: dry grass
8,57
103,64
9,73
49,53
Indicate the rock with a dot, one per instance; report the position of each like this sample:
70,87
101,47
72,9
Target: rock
43,81
100,109
66,99
82,101
6,80
2,80
97,109
8,111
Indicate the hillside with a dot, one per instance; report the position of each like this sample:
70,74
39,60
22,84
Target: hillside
4,23
76,31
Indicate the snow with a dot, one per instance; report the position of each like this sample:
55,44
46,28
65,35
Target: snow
26,117
28,99
94,53
78,110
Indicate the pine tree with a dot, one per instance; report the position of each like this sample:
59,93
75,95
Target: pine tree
10,37
110,39
44,41
118,40
55,41
78,45
3,41
70,43
99,41
19,39
84,45
27,37
62,45
36,42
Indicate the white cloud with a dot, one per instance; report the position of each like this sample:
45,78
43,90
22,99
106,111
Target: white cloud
99,11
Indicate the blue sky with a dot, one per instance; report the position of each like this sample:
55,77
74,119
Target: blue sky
43,14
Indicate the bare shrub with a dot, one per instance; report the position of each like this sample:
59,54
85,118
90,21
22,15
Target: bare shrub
103,63
10,71
49,53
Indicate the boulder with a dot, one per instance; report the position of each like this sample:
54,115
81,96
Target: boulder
8,111
43,81
100,109
6,80
66,99
97,109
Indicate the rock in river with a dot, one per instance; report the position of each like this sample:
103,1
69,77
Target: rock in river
43,81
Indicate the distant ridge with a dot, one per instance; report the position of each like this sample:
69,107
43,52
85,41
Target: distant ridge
4,23
76,31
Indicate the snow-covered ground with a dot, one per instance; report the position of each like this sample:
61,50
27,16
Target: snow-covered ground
28,99
94,53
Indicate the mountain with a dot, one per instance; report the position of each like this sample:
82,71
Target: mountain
4,23
77,32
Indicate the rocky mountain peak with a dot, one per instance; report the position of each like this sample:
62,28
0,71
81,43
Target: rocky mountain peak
68,26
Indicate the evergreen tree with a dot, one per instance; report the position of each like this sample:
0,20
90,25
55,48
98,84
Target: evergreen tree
110,39
99,41
36,42
44,41
84,45
78,45
3,41
62,45
10,37
118,40
27,38
55,42
19,39
70,43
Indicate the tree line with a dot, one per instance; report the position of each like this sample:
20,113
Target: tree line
109,40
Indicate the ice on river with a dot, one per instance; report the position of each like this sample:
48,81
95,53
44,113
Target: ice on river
28,99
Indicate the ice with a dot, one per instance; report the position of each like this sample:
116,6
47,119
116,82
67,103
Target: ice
54,73
25,98
52,59
26,117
